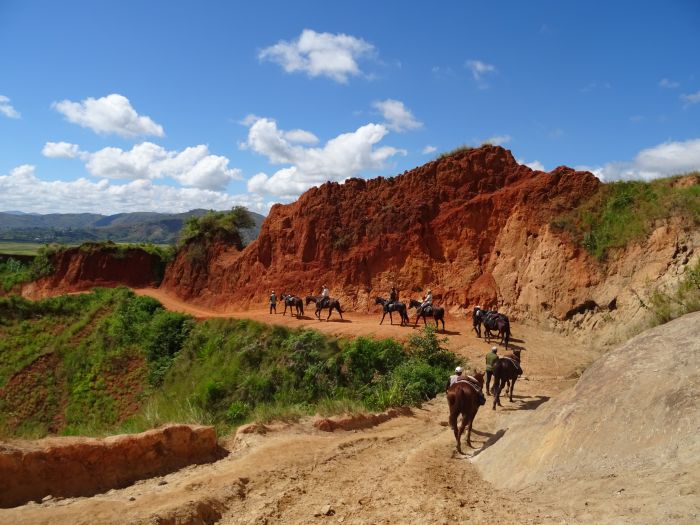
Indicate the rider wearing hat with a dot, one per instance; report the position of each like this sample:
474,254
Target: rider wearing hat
427,300
325,296
455,377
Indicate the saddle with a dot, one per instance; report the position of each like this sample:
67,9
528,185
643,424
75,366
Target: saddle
472,382
428,310
515,362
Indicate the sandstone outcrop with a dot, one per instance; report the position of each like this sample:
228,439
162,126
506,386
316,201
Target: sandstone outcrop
81,268
68,467
627,430
474,226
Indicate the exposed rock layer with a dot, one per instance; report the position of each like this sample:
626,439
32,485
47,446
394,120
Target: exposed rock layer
79,269
70,467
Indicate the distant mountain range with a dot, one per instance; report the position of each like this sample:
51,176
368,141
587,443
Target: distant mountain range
157,228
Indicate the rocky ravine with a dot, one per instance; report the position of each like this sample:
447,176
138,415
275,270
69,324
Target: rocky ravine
474,226
622,445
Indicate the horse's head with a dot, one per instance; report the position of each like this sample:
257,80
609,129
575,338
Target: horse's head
413,303
516,353
310,299
378,300
479,376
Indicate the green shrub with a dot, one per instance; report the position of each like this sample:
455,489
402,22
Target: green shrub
621,212
217,225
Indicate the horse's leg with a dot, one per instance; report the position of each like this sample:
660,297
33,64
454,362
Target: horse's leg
469,433
330,311
512,387
442,320
340,312
462,426
383,316
391,319
454,413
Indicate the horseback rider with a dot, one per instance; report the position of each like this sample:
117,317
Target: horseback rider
325,296
273,302
427,301
393,296
457,376
491,358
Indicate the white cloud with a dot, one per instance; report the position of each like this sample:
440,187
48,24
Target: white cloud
535,165
428,150
669,158
23,190
110,114
479,70
320,54
397,116
300,136
498,140
193,166
668,84
60,150
7,109
692,98
342,157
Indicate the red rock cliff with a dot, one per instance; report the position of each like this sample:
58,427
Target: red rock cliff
81,268
449,224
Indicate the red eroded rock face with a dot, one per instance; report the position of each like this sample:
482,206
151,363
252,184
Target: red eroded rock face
81,268
467,226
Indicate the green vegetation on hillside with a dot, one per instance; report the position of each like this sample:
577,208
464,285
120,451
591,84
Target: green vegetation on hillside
621,212
77,363
459,149
217,225
111,361
685,298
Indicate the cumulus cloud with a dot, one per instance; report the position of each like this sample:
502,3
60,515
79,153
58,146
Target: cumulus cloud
498,140
60,150
23,190
398,117
668,84
320,54
669,158
428,150
107,115
479,70
692,98
7,109
342,157
193,166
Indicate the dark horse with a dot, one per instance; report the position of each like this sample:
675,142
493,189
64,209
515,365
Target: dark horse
293,302
332,304
505,369
463,398
436,312
393,307
493,321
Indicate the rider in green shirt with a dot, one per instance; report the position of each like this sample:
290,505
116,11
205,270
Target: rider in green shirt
491,358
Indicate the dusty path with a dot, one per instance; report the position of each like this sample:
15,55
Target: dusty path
403,471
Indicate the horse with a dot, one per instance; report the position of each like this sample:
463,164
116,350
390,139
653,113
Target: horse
463,398
477,318
498,322
505,370
332,304
436,312
293,302
393,307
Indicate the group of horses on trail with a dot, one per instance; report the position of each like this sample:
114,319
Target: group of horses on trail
296,305
388,307
464,397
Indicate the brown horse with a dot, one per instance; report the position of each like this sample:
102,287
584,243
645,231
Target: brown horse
294,303
464,399
331,304
436,312
504,370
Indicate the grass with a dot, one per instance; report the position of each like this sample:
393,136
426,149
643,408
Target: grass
112,361
459,149
622,212
21,248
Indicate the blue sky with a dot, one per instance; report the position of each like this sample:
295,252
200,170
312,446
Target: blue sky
168,106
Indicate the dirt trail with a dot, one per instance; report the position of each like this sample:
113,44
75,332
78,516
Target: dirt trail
402,471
